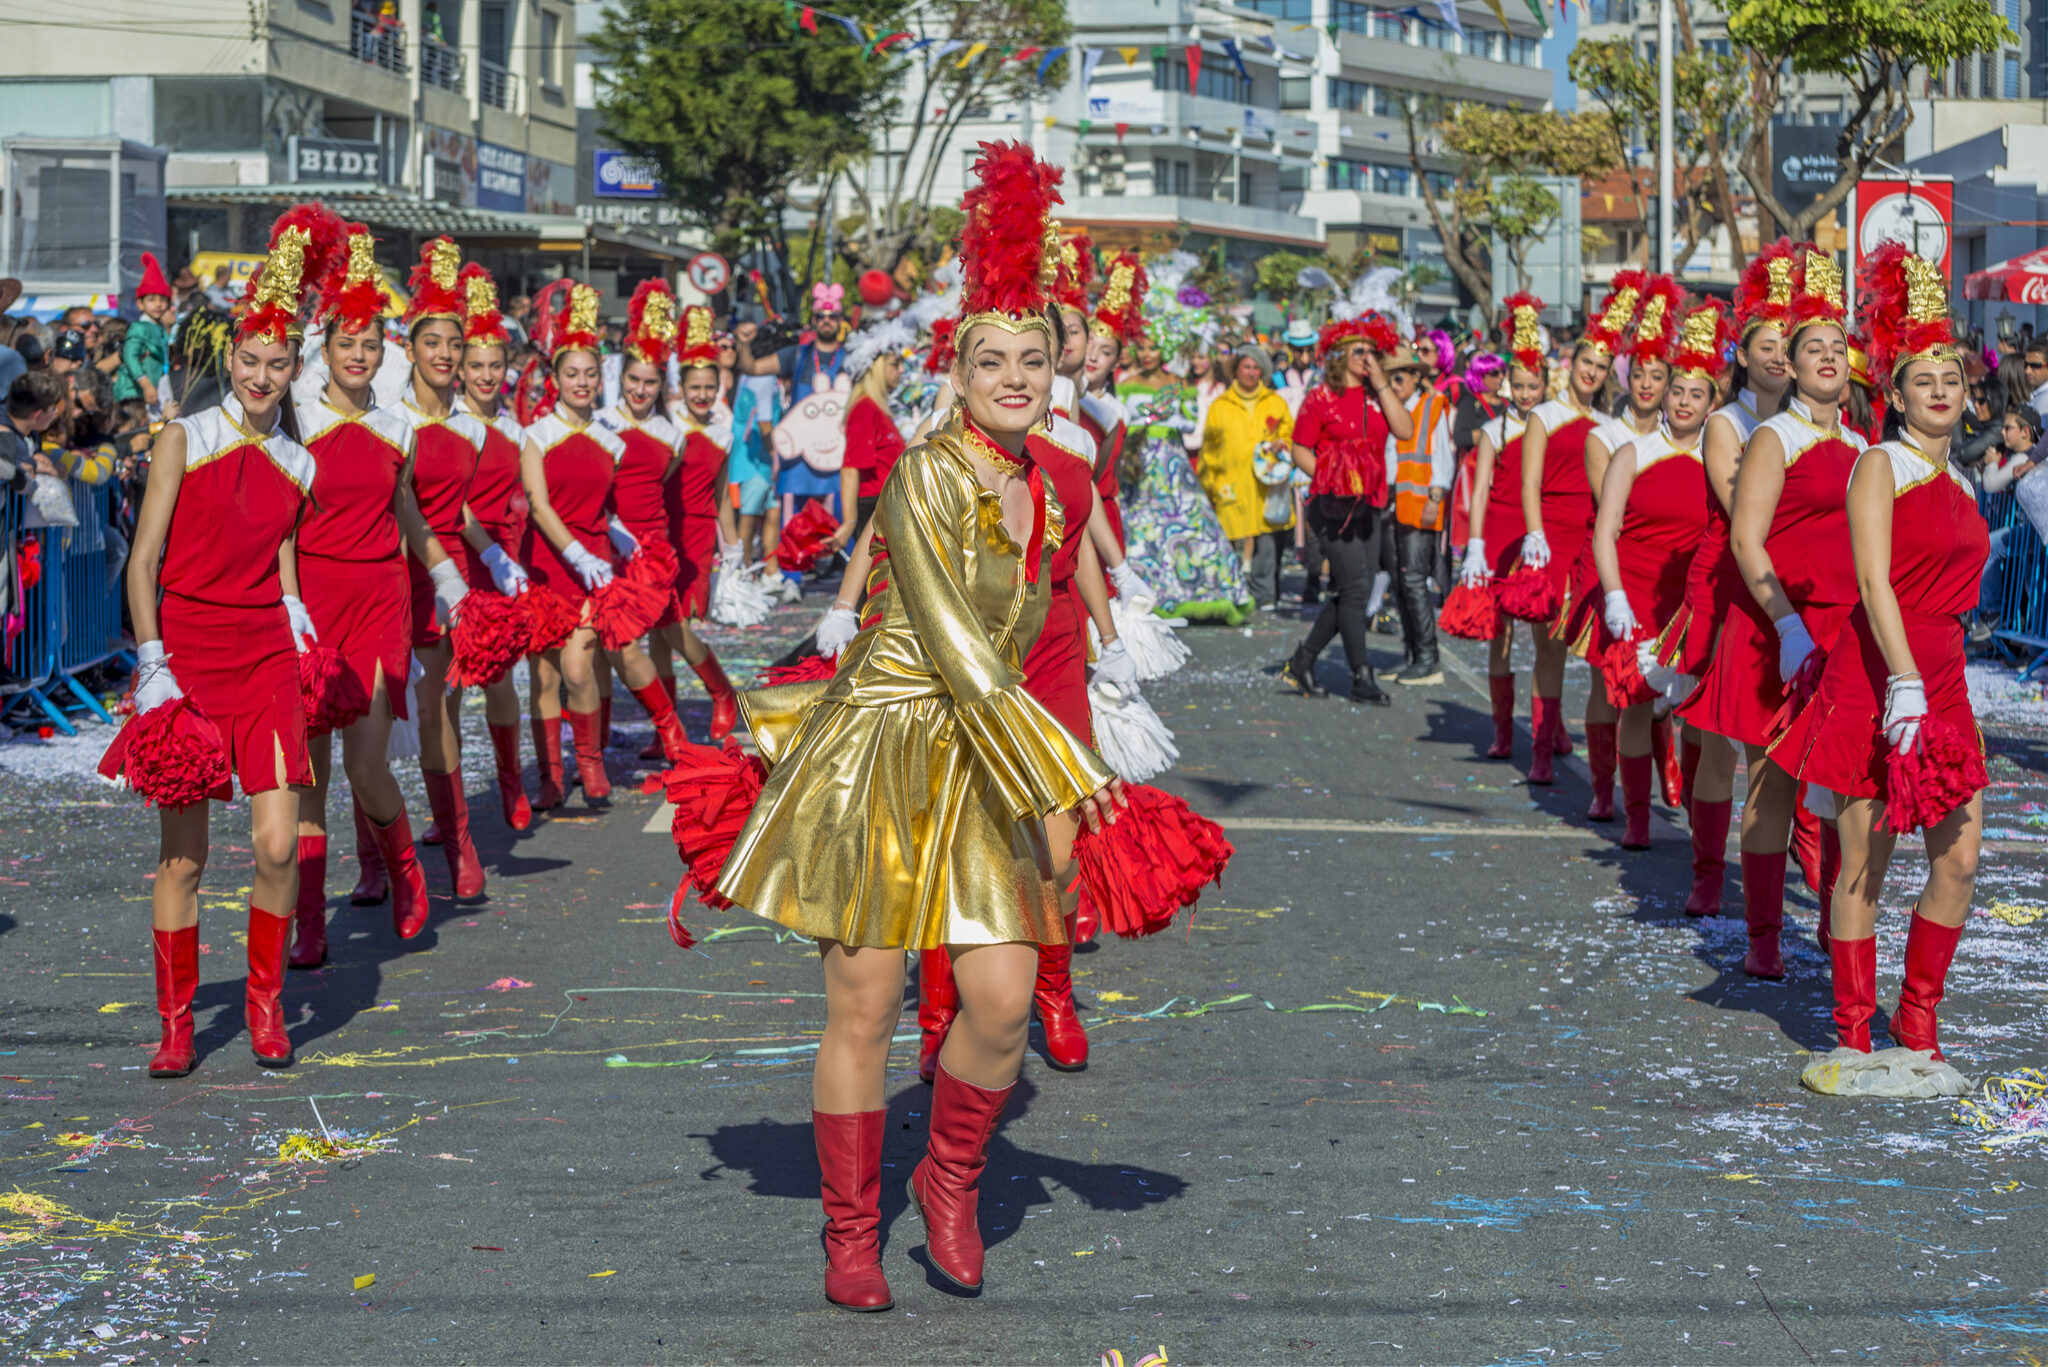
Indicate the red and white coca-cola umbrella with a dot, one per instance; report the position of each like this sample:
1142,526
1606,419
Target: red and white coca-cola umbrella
2022,280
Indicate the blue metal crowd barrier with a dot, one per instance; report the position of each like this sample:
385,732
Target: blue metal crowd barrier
70,618
2020,618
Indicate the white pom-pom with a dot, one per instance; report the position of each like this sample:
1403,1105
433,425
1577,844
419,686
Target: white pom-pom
737,599
1130,737
1155,648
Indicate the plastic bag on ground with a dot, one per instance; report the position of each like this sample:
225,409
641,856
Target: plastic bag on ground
1913,1074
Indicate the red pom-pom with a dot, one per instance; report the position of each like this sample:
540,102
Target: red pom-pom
172,755
1470,614
1621,674
331,690
1155,858
491,633
810,669
677,931
804,537
550,619
1940,772
628,607
1528,594
939,359
712,791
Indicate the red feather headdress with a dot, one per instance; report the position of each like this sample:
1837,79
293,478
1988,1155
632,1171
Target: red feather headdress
698,344
1010,244
566,316
482,323
1655,335
1817,292
1119,311
1077,272
1608,330
1763,298
1703,341
940,359
1902,306
303,244
651,323
353,293
1521,328
1371,328
433,283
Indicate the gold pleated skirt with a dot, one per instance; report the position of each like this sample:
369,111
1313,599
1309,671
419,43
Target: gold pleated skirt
878,827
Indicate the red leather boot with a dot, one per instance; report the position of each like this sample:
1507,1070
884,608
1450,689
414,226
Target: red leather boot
1668,766
1066,1042
1806,831
262,1008
1763,907
371,886
1830,871
1930,948
1637,776
177,978
1709,855
511,787
408,882
1560,737
585,729
668,727
725,704
1543,731
946,1187
451,813
1503,688
1688,770
1855,965
850,1171
654,749
938,1001
309,916
1601,749
547,762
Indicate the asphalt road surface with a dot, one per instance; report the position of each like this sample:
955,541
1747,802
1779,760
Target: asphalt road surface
1439,1075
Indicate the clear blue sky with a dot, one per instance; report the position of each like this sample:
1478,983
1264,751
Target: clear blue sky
1564,32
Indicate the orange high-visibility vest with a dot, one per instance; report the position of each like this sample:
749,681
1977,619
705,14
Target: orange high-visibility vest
1412,465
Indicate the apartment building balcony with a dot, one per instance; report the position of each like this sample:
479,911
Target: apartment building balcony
373,42
441,66
1218,217
496,86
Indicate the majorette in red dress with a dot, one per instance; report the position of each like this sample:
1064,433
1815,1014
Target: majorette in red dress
445,454
1056,667
642,482
496,495
1567,499
693,508
579,463
1712,581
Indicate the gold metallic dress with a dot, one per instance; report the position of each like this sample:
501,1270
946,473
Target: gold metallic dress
905,798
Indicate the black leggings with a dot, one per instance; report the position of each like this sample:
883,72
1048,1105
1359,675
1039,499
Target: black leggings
1351,531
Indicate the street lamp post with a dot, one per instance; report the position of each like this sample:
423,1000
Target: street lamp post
1664,153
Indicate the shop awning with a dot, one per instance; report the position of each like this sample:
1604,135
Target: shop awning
2020,280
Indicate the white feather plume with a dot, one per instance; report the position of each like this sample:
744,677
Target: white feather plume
1171,271
1315,278
737,598
929,307
873,341
1373,292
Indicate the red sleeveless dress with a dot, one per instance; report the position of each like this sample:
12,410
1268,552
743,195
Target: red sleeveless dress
352,573
1712,582
1056,668
1505,525
1580,615
693,511
496,495
1567,498
1740,691
579,464
642,482
1098,419
222,615
1939,543
445,452
1662,524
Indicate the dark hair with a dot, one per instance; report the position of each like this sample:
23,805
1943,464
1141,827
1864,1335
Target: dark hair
2036,346
2008,388
2028,417
33,392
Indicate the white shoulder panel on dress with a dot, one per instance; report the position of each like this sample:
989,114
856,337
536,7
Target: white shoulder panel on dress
1555,413
389,424
1073,437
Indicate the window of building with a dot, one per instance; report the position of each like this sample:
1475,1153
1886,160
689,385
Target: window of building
1293,179
1389,26
1386,102
1351,16
1343,173
208,113
1438,35
1520,51
1219,79
2012,76
2012,15
1297,92
1171,177
1389,180
1986,76
550,48
1442,184
1720,47
1613,12
1301,11
885,169
1353,97
1479,42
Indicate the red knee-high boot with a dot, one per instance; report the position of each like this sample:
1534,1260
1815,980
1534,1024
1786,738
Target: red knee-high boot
1806,829
408,882
1066,1042
1709,855
1503,686
547,762
668,727
261,1002
1930,948
372,886
1601,751
1543,726
1668,765
177,978
1688,770
938,1001
450,806
511,787
1637,776
1830,870
1855,965
1763,907
309,916
850,1185
655,749
1560,737
586,730
725,704
946,1187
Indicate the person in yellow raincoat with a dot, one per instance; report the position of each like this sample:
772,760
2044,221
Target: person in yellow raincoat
1244,468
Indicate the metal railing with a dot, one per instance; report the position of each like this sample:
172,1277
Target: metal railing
371,41
494,85
69,620
2020,626
440,65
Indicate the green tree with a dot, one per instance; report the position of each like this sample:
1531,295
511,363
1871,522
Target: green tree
943,85
1520,212
735,104
1873,47
1709,94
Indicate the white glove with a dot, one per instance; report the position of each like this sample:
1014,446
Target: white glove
1905,707
836,630
449,590
1473,570
594,573
730,557
1116,668
1132,587
302,624
1536,549
508,574
1619,616
154,685
623,541
1794,645
1646,662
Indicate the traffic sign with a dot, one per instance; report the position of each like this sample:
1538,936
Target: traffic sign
708,272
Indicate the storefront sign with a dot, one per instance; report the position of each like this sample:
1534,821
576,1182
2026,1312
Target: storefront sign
617,175
335,159
631,215
500,178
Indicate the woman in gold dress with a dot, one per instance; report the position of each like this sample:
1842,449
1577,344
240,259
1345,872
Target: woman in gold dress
905,799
